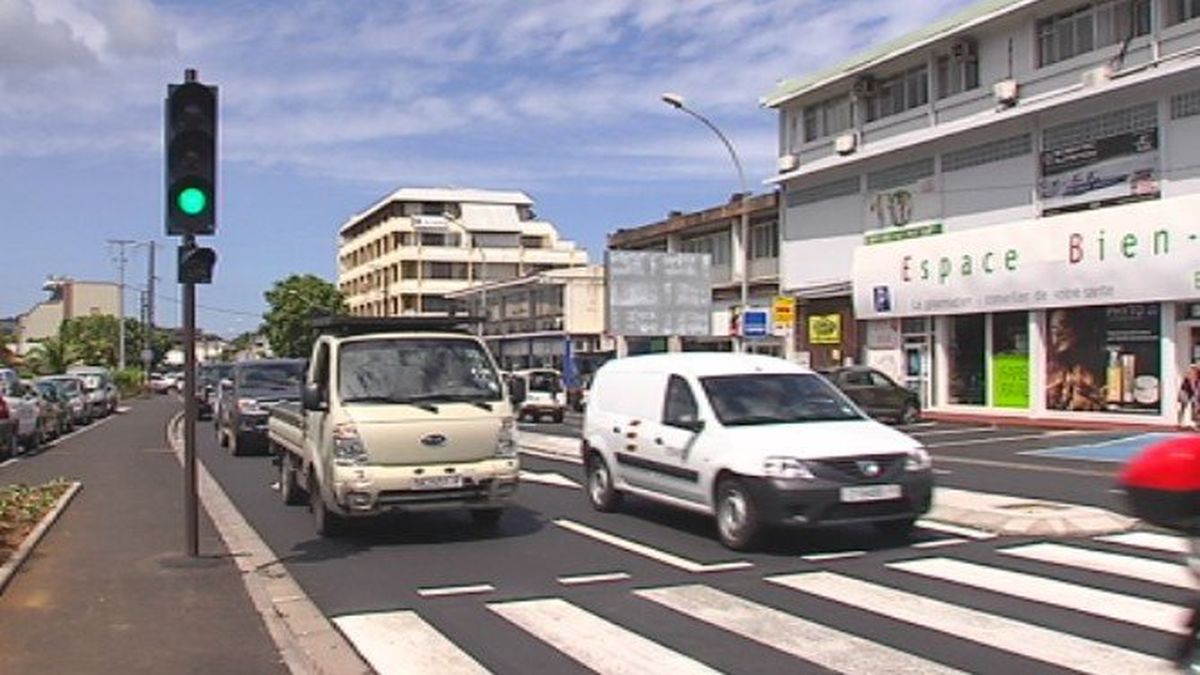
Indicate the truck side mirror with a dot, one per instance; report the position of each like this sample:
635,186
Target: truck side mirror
311,397
516,390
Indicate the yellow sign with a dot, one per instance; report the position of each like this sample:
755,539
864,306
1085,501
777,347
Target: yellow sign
783,313
825,329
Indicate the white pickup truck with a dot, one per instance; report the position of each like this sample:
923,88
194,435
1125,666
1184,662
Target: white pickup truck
397,414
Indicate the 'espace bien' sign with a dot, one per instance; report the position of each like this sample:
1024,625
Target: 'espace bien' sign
1136,253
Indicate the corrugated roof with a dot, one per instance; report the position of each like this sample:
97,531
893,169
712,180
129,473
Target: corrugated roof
977,13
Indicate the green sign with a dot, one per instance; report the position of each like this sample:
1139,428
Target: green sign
1010,380
902,233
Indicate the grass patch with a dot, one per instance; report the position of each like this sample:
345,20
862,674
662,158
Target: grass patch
21,508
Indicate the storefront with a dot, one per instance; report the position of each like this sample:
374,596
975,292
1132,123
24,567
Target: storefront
1092,314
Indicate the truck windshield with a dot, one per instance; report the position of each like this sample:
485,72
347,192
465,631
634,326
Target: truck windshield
416,370
782,398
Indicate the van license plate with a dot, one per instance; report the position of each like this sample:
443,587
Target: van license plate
870,493
437,482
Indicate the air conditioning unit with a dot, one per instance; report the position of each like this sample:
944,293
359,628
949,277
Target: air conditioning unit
1005,92
865,86
1097,75
962,49
845,144
788,163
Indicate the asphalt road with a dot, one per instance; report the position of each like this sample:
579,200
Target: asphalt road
560,588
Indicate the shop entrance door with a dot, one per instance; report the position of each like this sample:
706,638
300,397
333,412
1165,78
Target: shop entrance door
1188,340
917,368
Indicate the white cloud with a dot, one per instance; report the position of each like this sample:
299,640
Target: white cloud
29,45
135,29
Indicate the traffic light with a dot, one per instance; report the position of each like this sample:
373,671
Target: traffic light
191,140
196,264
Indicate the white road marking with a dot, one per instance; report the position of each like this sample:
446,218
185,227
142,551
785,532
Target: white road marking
648,551
1061,649
938,543
548,478
916,425
550,456
1149,540
960,430
1153,571
441,591
822,557
9,462
956,530
942,472
401,642
1003,439
812,642
1149,613
580,579
596,643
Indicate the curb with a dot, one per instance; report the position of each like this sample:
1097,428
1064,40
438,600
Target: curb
9,568
307,640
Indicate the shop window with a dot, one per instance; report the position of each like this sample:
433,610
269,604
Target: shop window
1010,360
968,378
1104,359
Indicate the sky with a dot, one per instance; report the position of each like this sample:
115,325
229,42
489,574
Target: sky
326,106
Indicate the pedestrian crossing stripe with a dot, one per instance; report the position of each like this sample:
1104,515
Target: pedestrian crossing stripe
1016,637
402,642
1154,571
1149,540
813,642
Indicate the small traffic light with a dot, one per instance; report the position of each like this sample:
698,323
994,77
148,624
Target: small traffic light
196,264
191,140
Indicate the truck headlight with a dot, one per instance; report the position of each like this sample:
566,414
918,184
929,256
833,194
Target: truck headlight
348,449
506,439
918,460
786,467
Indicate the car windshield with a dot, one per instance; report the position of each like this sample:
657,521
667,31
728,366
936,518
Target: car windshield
91,381
70,386
276,379
760,398
416,369
546,381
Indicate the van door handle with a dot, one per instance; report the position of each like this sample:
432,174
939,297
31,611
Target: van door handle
659,441
616,430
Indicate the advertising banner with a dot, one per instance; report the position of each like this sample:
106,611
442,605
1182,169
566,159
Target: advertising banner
783,314
825,329
1143,252
1102,170
1104,359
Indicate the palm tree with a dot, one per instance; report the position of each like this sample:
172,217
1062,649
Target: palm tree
8,357
50,356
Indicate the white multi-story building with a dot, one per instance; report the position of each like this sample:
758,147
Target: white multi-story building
1002,206
408,250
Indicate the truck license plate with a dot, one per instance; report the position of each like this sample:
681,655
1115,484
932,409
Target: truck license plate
870,493
437,482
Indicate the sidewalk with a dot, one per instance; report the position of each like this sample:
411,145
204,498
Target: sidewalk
109,588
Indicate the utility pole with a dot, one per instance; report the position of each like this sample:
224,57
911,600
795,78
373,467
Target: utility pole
148,343
121,261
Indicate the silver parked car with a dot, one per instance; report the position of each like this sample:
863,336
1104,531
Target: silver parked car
100,391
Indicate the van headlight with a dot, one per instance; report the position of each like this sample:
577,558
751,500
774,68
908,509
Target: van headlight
786,467
506,439
348,449
918,460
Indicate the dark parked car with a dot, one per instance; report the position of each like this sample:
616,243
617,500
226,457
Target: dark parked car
255,386
208,376
876,393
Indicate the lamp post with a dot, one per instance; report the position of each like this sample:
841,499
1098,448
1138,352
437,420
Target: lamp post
676,101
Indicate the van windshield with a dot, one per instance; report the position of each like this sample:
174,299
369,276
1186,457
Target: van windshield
416,370
784,398
544,381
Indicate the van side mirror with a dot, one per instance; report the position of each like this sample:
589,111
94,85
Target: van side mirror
517,391
692,424
311,397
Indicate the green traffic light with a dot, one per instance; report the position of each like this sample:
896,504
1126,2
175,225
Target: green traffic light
192,200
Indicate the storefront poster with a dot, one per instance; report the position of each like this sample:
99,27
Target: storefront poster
1100,170
825,329
783,314
1010,381
1104,359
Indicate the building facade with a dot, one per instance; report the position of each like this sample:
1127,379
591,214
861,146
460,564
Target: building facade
405,253
537,320
68,299
717,232
1005,204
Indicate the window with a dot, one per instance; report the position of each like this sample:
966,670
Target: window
440,239
968,378
986,153
764,241
525,212
775,398
1010,360
1091,27
828,118
809,195
899,93
1182,10
496,240
716,245
532,242
880,380
856,378
956,74
680,409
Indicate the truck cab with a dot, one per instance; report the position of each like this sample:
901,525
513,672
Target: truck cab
398,414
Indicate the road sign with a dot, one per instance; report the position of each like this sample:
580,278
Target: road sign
756,323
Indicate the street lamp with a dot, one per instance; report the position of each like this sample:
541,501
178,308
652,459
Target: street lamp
676,101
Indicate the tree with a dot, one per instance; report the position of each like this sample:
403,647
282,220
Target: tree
294,302
94,338
50,356
8,356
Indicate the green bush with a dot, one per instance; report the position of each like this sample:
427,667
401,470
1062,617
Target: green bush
130,382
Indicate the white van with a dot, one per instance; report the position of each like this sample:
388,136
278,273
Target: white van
544,394
753,440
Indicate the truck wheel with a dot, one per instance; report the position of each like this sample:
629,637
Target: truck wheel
234,446
289,484
601,493
222,439
737,518
487,517
326,523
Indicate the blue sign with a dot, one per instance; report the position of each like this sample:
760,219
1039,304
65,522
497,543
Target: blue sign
756,323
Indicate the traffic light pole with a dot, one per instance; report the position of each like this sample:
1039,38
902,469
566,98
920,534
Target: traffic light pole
191,513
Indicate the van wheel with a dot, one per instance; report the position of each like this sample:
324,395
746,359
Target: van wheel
289,484
601,493
326,523
737,518
487,517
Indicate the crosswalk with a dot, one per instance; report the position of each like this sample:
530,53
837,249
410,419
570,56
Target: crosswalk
1018,607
